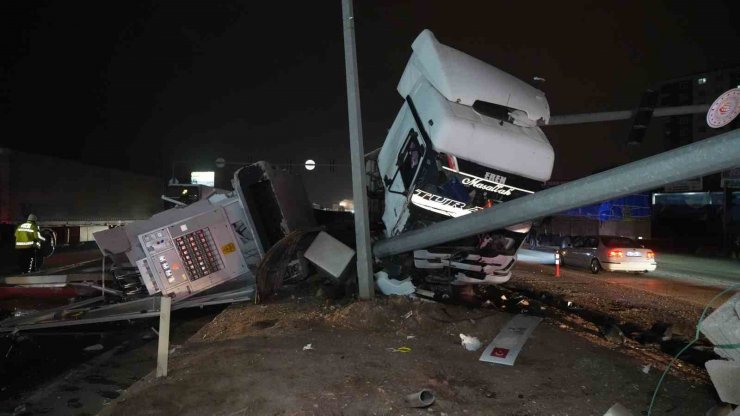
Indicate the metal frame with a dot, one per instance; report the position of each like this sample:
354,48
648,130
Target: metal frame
69,315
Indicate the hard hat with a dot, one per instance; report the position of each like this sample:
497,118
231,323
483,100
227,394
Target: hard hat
32,218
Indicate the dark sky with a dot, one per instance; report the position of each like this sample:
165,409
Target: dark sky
135,85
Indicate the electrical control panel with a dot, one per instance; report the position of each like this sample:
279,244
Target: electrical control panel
191,255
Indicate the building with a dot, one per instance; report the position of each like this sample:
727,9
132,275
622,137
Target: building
72,198
702,88
699,212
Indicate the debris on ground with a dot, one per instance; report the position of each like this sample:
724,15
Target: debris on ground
353,373
509,342
96,347
400,349
613,334
420,399
307,347
390,286
618,410
646,368
725,375
722,409
722,328
470,343
329,255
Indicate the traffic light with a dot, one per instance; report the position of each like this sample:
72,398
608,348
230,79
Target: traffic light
642,117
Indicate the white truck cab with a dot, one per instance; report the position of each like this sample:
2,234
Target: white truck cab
466,138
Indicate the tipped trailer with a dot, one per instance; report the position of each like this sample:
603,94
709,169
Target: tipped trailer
199,254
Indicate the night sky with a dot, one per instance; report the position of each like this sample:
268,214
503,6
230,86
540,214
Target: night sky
136,85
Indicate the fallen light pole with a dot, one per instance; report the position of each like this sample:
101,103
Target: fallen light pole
702,158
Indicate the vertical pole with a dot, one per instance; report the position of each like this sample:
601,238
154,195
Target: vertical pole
726,219
557,263
102,278
365,280
163,349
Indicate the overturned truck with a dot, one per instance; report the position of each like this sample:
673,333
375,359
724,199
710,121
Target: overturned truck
466,138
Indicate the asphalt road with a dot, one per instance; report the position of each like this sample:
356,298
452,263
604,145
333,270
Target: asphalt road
693,279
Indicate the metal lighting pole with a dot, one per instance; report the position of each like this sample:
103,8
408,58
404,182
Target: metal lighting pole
359,187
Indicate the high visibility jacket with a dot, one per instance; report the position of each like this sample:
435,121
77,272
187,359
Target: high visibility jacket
27,235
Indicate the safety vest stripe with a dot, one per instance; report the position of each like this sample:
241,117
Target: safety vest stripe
24,243
26,231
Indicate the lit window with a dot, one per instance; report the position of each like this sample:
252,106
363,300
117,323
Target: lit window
701,81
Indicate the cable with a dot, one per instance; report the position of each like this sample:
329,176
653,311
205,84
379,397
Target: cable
696,338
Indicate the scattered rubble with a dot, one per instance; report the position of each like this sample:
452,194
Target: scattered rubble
353,373
422,398
509,342
618,410
470,343
95,347
390,286
723,409
722,328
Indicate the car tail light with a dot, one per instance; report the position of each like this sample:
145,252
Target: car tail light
616,253
650,255
452,163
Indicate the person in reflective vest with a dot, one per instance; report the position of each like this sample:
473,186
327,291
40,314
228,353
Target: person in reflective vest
28,245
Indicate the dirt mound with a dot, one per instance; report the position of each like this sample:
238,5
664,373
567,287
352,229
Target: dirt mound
390,315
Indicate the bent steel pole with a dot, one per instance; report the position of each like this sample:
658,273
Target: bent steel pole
697,159
365,281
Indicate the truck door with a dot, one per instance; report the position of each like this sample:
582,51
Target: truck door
401,183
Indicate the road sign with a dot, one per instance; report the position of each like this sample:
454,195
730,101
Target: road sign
724,109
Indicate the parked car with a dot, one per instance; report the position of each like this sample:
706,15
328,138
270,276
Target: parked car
610,253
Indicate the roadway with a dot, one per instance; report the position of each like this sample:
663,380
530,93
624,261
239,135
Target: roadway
692,278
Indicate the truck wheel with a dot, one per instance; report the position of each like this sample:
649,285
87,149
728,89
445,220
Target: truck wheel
595,266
